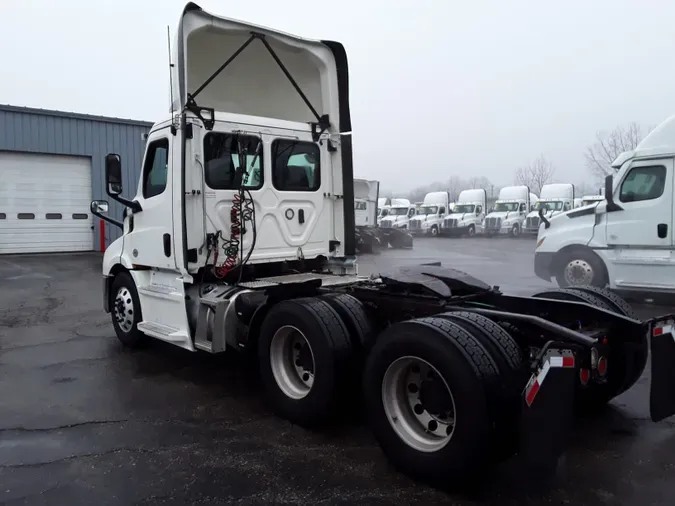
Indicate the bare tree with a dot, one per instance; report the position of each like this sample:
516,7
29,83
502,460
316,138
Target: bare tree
536,174
478,182
609,145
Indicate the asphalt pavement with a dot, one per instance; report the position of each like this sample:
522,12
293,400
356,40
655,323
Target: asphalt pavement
84,421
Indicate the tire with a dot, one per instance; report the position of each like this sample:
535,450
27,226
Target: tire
580,267
360,329
515,231
125,309
622,371
513,375
472,231
434,231
470,373
329,350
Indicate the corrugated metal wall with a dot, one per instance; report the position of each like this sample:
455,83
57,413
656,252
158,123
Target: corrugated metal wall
62,133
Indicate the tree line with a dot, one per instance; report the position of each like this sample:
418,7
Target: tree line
540,171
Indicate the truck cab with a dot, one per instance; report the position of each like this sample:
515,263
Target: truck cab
398,214
509,212
429,216
624,240
365,202
467,214
555,198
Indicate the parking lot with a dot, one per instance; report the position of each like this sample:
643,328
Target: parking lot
84,421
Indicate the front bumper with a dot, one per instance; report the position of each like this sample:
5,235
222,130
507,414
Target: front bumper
543,264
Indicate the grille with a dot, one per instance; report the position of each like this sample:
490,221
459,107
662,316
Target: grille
451,223
415,224
385,224
532,223
493,223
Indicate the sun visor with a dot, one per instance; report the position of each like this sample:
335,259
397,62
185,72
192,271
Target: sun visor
257,64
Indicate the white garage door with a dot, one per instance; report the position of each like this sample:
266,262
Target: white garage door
44,203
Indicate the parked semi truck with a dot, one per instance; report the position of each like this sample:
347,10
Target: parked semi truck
625,239
510,210
467,215
452,373
555,198
429,215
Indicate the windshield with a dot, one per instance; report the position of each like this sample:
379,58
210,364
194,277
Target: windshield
506,206
551,204
464,208
398,211
427,210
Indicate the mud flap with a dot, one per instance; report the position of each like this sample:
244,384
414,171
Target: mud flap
662,391
548,413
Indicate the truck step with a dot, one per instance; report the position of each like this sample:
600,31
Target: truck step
163,332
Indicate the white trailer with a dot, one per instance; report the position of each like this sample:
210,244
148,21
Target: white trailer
429,216
555,198
509,212
623,239
467,214
365,202
240,239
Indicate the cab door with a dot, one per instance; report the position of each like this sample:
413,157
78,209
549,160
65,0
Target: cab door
640,236
150,240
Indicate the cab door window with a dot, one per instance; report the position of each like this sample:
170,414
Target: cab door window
155,168
643,183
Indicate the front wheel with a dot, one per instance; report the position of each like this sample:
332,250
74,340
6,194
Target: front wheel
472,230
125,308
434,231
580,268
515,230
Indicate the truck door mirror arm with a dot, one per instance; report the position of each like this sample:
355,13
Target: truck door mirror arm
609,195
113,182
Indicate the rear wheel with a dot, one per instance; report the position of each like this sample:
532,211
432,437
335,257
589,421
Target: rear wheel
429,388
303,354
125,308
625,362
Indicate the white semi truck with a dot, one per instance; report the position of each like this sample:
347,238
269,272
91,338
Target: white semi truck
510,210
365,214
429,216
467,214
240,239
624,239
555,198
398,214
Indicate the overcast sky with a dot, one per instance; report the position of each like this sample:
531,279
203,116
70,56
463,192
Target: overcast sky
438,87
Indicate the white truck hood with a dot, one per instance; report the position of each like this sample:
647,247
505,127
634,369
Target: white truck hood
255,85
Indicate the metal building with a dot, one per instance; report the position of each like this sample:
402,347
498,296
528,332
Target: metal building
51,167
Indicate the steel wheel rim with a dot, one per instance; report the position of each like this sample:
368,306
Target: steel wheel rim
124,309
292,362
472,230
434,230
406,409
578,273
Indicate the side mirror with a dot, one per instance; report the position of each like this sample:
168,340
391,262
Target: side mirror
113,174
609,195
98,206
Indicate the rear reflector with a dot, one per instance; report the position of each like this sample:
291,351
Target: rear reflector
537,380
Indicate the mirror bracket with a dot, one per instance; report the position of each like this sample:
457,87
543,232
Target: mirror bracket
609,195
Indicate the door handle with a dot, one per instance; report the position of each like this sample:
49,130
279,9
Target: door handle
167,244
662,230
301,216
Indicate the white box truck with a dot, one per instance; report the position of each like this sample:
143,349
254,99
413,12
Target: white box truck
429,216
467,214
510,210
555,198
213,261
625,240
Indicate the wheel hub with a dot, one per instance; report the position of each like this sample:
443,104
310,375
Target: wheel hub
292,362
578,272
418,404
123,308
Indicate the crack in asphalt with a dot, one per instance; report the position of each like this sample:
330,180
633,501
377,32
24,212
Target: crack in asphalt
60,427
